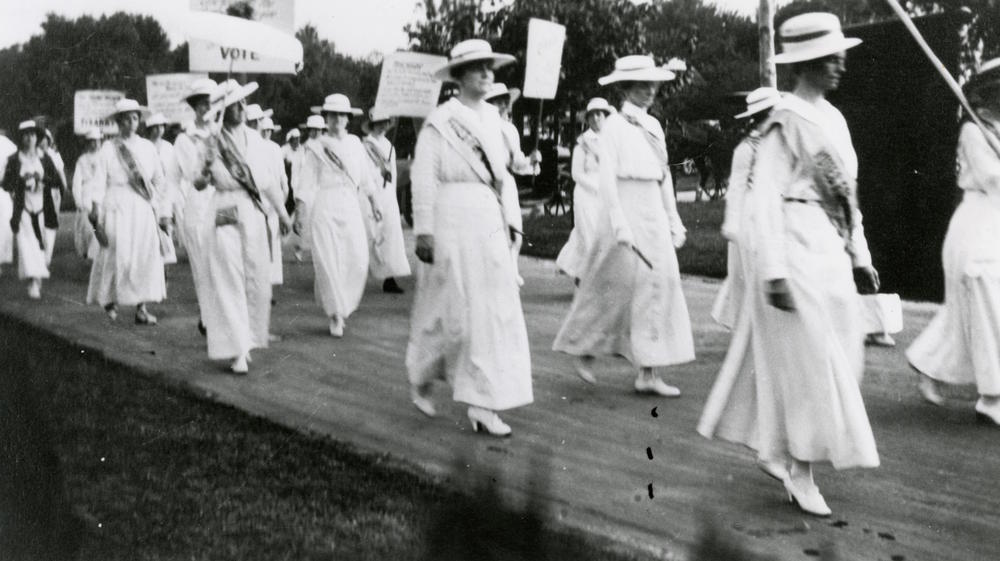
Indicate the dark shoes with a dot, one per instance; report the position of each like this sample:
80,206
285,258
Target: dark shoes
389,286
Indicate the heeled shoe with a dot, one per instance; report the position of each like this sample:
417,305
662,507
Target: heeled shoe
484,420
808,500
986,414
929,390
774,470
35,290
240,365
655,386
142,317
337,326
112,311
582,365
422,402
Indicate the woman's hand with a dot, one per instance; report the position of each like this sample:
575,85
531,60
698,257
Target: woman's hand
285,224
425,248
866,280
779,296
376,211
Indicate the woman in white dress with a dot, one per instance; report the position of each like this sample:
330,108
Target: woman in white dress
804,405
467,326
193,211
6,209
388,251
31,178
629,302
128,270
237,309
962,344
338,166
586,195
156,126
303,185
86,193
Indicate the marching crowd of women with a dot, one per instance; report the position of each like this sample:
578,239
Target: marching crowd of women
789,387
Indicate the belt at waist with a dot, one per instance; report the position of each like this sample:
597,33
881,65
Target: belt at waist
801,201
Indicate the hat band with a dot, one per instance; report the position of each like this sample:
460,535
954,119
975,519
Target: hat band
806,36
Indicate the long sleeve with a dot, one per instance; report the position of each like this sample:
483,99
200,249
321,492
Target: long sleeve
608,158
773,170
78,180
160,188
737,188
578,169
519,163
425,179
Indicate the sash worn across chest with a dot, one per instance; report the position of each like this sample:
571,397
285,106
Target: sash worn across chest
383,163
136,180
329,156
237,167
654,141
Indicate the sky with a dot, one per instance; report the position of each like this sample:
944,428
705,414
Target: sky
356,27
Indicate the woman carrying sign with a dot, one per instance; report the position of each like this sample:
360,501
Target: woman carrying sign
388,255
630,302
237,311
467,326
338,166
128,269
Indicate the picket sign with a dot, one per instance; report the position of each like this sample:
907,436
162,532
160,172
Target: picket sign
406,86
164,93
92,109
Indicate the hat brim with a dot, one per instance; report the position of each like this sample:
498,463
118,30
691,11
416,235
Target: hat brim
443,72
658,74
819,51
750,112
367,125
142,110
514,94
341,111
239,95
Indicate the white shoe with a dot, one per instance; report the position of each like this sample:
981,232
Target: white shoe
337,326
988,414
112,311
929,390
582,365
422,402
488,421
775,470
143,317
808,499
880,340
655,386
35,289
240,365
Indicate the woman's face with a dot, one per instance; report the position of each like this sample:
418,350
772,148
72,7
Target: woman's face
313,133
128,123
266,133
642,94
336,123
93,145
476,79
502,104
595,119
824,74
234,114
201,106
29,139
156,132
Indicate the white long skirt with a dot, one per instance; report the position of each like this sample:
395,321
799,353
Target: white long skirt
622,306
587,217
32,262
467,326
196,224
237,309
130,270
789,386
387,249
339,249
961,345
84,241
277,264
730,299
6,234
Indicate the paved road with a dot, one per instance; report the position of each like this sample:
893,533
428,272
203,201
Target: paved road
936,496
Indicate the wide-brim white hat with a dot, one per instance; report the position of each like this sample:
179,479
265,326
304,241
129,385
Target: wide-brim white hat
759,100
378,115
336,103
316,122
637,68
599,104
471,50
201,86
231,92
254,112
266,124
500,89
158,119
126,105
30,124
811,36
294,133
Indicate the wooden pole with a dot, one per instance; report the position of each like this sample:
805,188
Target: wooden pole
765,28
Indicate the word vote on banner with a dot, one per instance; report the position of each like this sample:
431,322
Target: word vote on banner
205,56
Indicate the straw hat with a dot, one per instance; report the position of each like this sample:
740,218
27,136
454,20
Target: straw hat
315,122
294,133
266,124
156,120
637,68
811,36
499,89
254,112
201,86
337,103
126,105
377,115
599,104
471,50
232,91
759,100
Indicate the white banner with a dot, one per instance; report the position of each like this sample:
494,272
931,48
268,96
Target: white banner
164,93
543,58
92,108
406,87
205,56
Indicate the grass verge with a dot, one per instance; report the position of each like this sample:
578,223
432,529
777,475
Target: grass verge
148,471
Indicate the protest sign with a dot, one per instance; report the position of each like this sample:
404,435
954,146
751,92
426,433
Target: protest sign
164,93
406,87
92,109
208,56
543,58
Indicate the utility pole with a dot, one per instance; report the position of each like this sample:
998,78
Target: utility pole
765,30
